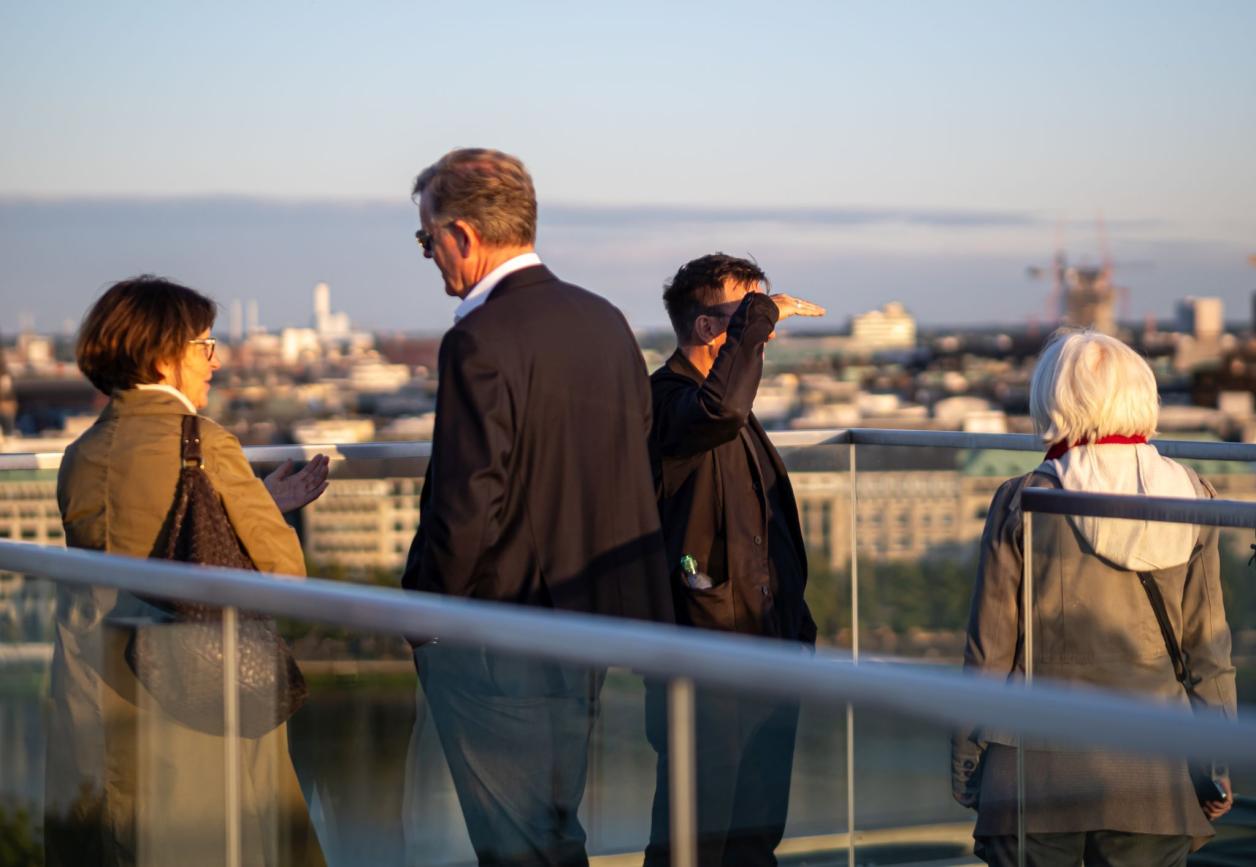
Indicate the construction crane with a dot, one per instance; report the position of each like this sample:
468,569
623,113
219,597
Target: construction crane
1083,296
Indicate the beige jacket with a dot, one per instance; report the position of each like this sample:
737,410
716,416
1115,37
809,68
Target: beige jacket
125,784
1093,625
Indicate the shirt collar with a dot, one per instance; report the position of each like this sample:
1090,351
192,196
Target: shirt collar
480,291
161,386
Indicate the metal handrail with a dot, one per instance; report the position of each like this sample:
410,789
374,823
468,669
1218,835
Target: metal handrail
728,661
1217,513
1188,449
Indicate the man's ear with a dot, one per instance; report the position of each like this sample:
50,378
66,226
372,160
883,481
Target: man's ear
465,236
704,330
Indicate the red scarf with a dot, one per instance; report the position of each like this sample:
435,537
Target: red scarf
1058,450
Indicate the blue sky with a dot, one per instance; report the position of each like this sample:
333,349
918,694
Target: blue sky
861,151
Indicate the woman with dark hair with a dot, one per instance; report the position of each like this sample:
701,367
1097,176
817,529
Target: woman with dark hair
127,783
1095,405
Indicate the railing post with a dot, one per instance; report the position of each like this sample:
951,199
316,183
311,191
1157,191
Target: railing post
231,733
1027,620
682,772
854,657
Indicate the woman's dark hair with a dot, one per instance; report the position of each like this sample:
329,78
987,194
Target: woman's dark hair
135,325
699,285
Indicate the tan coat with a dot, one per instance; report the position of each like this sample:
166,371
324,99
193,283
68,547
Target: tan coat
1093,625
125,783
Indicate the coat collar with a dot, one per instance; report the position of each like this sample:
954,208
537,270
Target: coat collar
681,365
137,401
521,279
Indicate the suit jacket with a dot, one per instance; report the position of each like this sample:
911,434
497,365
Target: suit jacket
710,488
538,488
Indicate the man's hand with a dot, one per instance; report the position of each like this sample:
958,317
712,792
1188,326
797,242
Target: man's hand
292,490
1214,810
788,306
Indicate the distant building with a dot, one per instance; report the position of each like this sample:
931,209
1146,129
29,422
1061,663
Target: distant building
235,322
28,513
363,523
329,325
299,345
908,504
1203,341
891,327
253,321
333,430
1089,296
373,376
1202,318
8,400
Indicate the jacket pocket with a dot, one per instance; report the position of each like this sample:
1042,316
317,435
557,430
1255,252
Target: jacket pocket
710,608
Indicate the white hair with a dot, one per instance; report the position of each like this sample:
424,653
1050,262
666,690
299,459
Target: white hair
1089,385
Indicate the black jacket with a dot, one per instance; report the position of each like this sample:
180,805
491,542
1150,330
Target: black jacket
538,487
711,490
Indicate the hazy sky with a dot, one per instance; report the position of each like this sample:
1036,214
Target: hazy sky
861,151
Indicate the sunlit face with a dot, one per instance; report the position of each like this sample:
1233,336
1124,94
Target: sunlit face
721,313
194,371
443,250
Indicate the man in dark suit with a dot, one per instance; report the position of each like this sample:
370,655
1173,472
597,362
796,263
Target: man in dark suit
735,548
537,492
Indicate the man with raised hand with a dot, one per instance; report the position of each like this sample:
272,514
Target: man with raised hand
537,492
734,548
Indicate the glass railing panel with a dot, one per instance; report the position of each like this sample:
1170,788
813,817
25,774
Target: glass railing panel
820,478
905,812
129,758
354,746
920,515
28,512
361,528
354,741
770,777
387,764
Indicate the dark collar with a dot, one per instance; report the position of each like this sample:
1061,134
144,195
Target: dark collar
679,364
521,279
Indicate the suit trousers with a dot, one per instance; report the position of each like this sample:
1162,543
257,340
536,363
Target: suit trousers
1091,848
516,736
744,757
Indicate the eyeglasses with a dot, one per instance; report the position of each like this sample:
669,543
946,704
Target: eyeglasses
424,238
207,344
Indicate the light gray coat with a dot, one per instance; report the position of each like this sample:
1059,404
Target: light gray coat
1093,626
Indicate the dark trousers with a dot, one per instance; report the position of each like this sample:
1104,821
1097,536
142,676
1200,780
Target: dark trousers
1091,848
745,757
516,736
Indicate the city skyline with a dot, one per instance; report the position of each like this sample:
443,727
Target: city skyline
861,152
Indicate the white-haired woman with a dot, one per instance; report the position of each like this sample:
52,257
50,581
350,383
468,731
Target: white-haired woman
1094,402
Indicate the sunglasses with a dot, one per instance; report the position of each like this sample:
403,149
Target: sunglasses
424,238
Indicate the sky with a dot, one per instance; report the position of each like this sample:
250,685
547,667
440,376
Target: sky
861,152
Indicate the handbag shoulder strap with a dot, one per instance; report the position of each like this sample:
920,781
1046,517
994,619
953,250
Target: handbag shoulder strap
190,448
1181,670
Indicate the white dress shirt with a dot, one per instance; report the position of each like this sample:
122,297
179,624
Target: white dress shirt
161,386
480,291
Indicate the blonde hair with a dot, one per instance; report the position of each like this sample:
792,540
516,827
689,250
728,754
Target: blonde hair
489,189
1089,385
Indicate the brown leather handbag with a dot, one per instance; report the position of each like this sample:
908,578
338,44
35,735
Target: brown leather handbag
180,661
